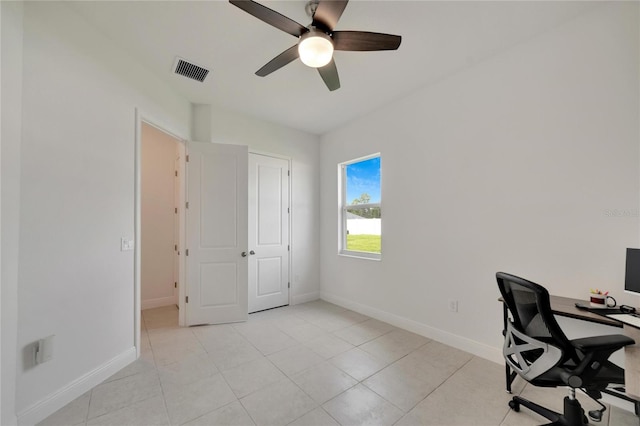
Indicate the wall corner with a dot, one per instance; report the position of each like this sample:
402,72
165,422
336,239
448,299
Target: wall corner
201,122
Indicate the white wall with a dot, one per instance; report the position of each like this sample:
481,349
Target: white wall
303,149
158,201
514,164
11,25
77,201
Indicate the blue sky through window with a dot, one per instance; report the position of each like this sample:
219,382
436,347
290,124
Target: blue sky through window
364,177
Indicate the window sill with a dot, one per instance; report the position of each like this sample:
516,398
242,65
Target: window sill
361,255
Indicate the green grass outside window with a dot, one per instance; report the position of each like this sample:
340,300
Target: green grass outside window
365,243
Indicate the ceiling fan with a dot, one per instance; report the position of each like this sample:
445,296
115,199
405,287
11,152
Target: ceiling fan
318,40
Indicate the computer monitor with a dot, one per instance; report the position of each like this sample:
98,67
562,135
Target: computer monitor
632,274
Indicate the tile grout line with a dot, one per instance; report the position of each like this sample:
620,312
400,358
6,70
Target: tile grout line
247,411
320,405
278,368
86,416
234,394
329,414
155,365
164,398
219,371
437,387
330,333
360,382
225,379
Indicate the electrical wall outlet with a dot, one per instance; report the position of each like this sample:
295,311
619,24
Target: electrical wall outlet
453,305
126,244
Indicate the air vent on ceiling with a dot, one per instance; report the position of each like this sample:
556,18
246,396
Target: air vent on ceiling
190,70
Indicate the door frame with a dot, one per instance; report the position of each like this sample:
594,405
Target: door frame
144,117
290,242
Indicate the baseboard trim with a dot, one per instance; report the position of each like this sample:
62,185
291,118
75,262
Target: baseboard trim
158,303
304,298
618,402
476,348
58,399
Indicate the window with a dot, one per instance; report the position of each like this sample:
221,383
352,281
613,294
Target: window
361,216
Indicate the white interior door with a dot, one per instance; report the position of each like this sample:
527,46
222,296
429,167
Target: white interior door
268,232
216,233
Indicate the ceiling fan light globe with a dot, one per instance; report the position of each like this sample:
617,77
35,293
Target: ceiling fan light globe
315,49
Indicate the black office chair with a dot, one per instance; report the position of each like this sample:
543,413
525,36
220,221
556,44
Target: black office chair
536,348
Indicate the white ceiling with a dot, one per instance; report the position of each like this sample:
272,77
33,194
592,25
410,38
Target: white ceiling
438,38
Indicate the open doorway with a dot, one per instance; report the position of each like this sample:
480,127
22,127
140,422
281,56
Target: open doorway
160,215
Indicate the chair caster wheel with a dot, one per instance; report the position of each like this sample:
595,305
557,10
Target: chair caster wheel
596,415
514,405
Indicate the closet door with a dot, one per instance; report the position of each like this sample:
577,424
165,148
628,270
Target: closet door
268,232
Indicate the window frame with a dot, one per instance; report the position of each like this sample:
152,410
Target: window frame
343,206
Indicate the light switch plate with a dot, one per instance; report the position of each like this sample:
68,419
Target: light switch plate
44,349
126,244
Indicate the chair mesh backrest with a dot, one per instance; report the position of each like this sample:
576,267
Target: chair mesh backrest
531,311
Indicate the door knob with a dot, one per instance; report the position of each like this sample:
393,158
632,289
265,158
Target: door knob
252,252
244,254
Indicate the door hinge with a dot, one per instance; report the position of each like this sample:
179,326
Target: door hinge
186,252
176,173
288,285
186,299
175,247
288,248
187,204
288,172
176,209
288,210
175,284
187,158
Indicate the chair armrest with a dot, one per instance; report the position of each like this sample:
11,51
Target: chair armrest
600,343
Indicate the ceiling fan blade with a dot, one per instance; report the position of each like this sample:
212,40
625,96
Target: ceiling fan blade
271,17
279,61
362,41
328,13
329,74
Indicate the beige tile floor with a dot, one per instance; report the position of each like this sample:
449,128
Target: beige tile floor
313,364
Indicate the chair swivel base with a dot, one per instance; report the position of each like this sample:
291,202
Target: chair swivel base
573,412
